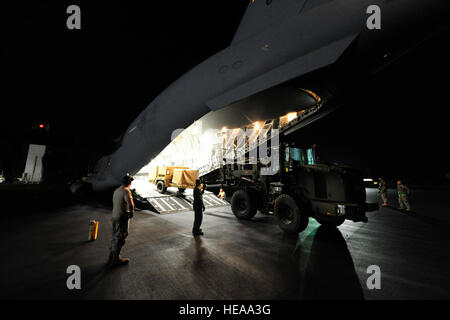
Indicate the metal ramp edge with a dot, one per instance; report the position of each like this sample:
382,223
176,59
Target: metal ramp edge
172,204
164,205
210,201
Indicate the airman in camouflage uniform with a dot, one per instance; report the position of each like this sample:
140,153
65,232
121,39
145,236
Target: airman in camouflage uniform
382,190
403,192
123,210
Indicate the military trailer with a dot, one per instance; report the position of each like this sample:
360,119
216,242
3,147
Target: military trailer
300,189
179,177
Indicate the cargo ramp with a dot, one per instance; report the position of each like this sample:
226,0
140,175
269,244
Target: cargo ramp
164,204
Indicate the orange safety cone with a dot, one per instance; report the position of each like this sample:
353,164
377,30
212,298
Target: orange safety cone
93,230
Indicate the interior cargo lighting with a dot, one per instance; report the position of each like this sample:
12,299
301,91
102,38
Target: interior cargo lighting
291,116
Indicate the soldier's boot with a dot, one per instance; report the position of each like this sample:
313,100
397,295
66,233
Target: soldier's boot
198,232
116,260
121,261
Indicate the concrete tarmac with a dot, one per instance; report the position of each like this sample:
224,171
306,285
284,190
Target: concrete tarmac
235,259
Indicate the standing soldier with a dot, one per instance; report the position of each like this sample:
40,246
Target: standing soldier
403,192
199,207
123,210
382,190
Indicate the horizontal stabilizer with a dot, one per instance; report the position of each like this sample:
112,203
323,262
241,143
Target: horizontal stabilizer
314,60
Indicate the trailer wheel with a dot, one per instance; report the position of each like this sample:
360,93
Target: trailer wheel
243,205
160,187
290,217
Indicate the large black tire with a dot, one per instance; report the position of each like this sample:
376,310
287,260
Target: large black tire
289,215
243,205
330,221
161,187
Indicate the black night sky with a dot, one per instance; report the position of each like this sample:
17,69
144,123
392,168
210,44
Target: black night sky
90,84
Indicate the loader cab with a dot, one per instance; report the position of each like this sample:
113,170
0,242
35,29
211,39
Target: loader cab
320,181
294,157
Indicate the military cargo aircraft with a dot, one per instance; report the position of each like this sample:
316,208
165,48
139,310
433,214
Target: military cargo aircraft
324,46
